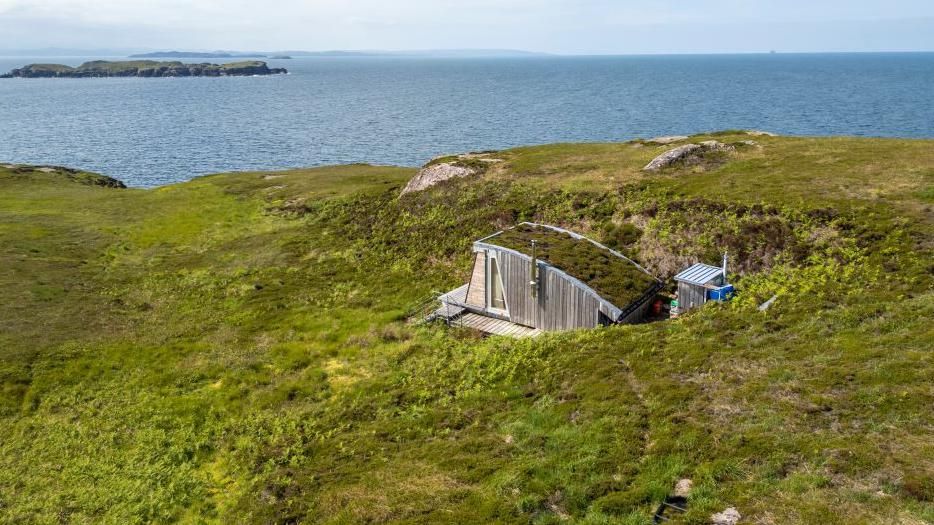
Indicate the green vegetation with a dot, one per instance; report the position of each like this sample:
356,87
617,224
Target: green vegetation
615,279
232,349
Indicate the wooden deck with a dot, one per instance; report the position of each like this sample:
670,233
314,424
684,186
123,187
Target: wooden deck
493,326
455,314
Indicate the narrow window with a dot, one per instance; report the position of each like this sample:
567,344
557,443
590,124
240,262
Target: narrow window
497,297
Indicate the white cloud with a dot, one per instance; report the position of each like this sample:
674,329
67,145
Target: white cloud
549,25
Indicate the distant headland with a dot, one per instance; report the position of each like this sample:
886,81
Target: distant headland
144,68
197,54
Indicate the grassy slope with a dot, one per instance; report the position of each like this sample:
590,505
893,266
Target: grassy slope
230,349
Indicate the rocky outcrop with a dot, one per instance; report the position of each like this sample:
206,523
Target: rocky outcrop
81,177
686,154
451,167
435,173
143,68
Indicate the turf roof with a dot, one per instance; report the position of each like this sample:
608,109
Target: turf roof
614,278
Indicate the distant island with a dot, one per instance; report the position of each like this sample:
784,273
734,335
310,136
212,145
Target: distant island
143,68
196,54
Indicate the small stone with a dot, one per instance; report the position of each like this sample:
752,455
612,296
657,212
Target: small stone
730,516
713,145
683,488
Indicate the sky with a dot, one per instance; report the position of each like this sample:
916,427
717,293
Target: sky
552,26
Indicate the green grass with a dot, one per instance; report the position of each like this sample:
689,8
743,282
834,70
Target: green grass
231,349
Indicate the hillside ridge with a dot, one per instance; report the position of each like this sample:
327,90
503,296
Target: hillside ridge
234,348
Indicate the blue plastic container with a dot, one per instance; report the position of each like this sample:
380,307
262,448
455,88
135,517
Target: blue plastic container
723,293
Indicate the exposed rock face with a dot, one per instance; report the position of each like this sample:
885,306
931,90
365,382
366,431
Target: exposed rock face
671,156
729,516
685,153
143,68
435,173
450,167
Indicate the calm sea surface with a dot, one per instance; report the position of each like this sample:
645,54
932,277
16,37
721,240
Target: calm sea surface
404,111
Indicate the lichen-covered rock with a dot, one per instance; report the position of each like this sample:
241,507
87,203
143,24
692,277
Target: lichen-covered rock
685,153
671,156
683,488
435,173
729,516
449,167
713,145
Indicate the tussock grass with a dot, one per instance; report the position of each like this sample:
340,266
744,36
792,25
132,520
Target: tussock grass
231,350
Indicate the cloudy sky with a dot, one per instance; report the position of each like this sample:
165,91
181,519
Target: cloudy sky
557,26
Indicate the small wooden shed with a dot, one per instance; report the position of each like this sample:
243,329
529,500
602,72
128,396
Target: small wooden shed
547,278
697,282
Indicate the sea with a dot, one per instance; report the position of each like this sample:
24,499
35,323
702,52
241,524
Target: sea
404,110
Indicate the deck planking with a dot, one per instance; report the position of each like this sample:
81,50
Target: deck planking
493,326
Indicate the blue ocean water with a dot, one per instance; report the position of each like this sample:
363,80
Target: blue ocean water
404,111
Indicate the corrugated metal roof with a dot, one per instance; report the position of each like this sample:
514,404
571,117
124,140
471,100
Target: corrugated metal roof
699,274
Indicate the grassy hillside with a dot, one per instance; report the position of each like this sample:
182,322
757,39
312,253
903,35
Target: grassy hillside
233,349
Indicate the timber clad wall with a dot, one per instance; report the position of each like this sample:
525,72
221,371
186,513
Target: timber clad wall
691,296
476,290
562,304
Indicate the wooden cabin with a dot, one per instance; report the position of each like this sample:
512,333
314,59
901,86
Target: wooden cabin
700,283
534,278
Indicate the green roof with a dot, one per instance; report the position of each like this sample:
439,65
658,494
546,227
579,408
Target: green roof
613,277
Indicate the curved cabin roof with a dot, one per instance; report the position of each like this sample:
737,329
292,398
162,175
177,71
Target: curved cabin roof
613,277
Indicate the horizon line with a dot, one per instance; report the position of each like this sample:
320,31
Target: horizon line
119,52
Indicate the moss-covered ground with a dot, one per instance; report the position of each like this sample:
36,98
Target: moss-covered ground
233,349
